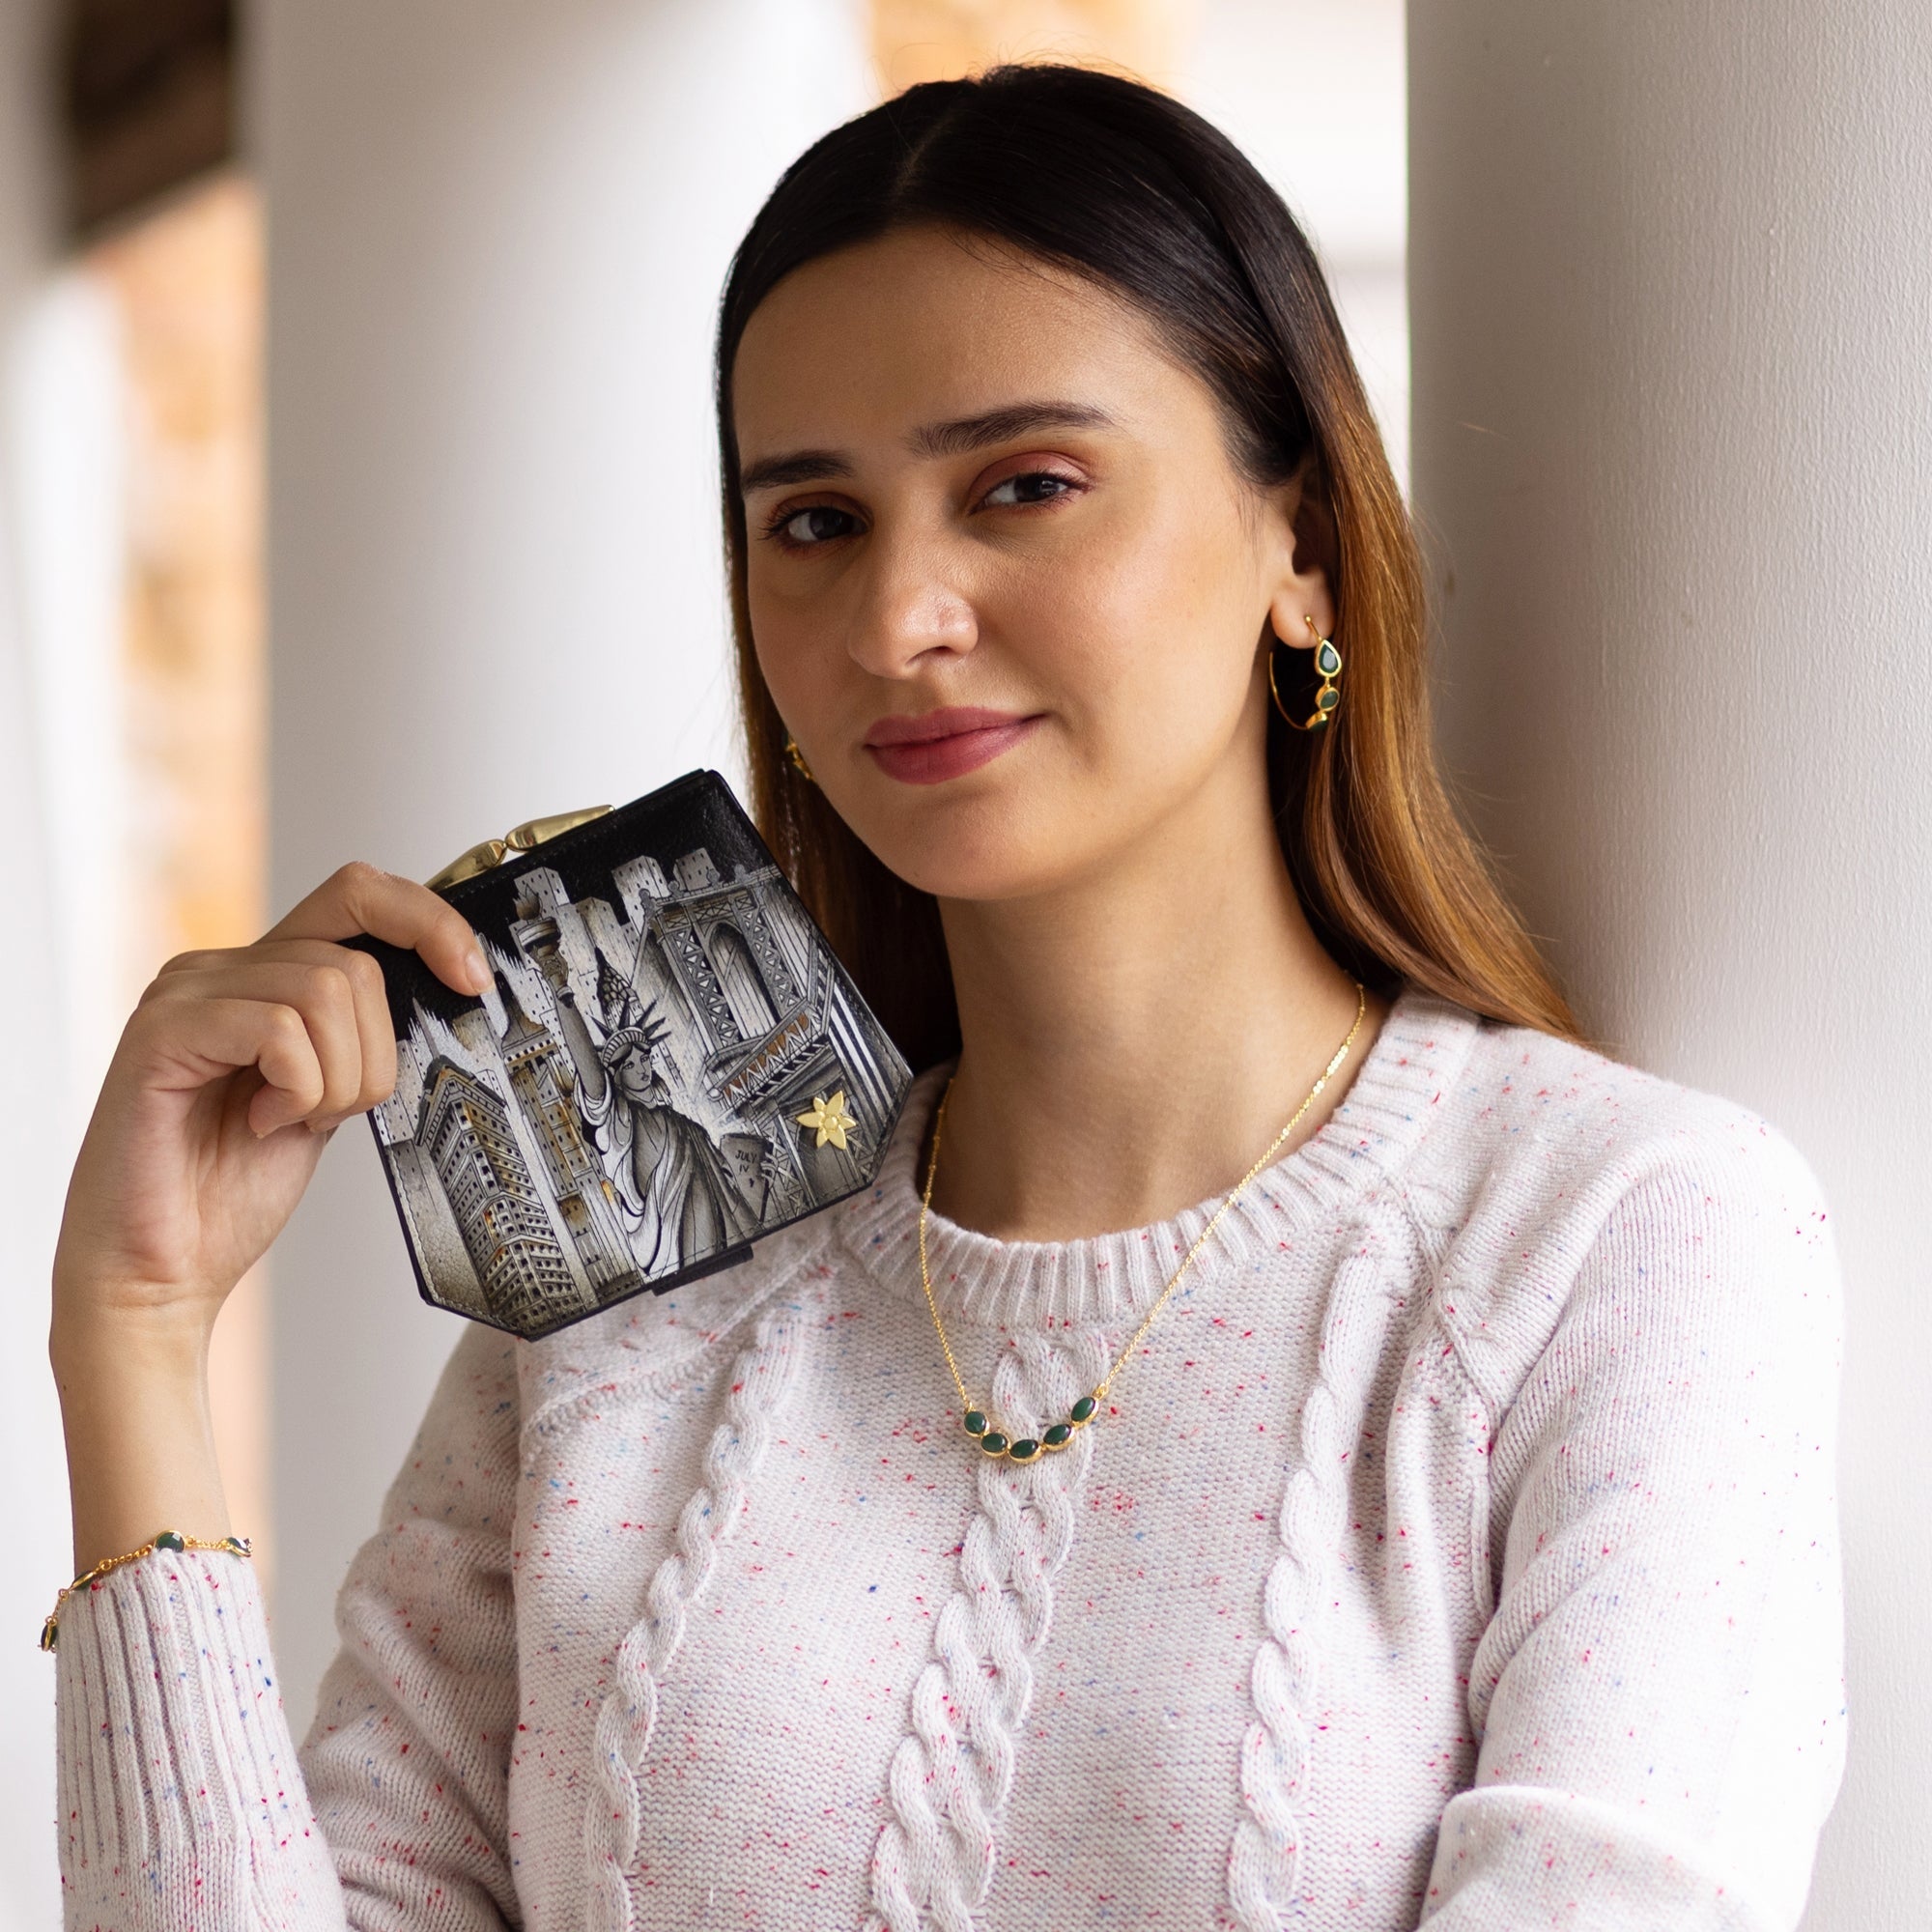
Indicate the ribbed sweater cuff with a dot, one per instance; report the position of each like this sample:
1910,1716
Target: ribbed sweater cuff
177,1769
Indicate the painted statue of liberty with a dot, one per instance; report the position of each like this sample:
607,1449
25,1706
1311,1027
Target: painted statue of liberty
681,1198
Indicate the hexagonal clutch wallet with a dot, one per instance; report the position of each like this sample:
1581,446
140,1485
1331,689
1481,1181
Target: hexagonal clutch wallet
671,1063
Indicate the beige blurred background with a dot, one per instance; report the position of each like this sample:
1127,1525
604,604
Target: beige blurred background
357,498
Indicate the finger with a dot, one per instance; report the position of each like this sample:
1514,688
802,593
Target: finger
210,972
320,992
375,1025
361,897
375,1029
290,1066
191,1042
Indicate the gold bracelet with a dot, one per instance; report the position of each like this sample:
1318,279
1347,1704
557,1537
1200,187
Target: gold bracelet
164,1539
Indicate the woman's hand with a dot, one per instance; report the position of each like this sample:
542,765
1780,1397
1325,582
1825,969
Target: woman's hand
229,1077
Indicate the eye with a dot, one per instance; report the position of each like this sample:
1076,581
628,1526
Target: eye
1029,486
817,524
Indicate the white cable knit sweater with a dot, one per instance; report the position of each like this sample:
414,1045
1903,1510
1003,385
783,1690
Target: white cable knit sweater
1463,1546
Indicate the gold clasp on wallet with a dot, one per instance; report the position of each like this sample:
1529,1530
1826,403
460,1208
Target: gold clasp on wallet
524,838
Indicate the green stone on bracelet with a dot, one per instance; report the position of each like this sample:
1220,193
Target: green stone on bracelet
169,1540
993,1442
975,1422
1083,1409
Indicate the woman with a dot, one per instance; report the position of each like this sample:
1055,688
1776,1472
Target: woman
1395,1479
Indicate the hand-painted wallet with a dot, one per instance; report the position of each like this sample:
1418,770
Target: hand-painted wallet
672,1062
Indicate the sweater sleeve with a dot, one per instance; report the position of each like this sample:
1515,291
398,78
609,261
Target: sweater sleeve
1659,1695
184,1801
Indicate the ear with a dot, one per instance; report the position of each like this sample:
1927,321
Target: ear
1305,555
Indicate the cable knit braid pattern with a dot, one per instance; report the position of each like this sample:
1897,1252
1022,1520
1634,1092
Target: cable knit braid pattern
757,1386
1265,1858
949,1780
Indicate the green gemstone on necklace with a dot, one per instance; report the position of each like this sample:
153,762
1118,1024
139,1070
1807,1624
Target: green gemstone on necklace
1058,1434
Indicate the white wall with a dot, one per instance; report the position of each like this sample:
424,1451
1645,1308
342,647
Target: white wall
496,235
51,643
1671,279
1312,91
59,982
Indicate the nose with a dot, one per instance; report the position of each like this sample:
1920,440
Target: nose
909,616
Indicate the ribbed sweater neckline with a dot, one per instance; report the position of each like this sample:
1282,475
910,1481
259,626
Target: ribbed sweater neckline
1101,1280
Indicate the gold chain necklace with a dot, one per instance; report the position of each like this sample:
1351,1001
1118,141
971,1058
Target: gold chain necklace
991,1441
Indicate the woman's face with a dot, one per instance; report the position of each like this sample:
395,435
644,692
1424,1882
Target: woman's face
1007,586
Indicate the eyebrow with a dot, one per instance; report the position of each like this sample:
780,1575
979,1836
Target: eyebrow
959,438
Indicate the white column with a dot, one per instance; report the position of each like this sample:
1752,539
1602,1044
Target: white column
496,235
1335,151
1671,274
45,1096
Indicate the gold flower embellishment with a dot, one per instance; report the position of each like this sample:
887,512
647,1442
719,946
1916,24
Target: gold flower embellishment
828,1119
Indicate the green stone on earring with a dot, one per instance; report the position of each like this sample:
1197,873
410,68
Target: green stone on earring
1327,659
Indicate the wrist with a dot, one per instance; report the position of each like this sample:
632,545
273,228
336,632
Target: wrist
92,1335
141,1440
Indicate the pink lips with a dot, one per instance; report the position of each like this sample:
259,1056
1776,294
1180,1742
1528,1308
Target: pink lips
945,744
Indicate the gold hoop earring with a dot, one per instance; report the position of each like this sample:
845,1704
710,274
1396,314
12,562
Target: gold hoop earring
798,758
1328,663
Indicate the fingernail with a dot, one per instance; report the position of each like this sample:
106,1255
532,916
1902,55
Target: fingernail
480,974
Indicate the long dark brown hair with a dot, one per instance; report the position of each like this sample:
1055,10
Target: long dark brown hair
1125,186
